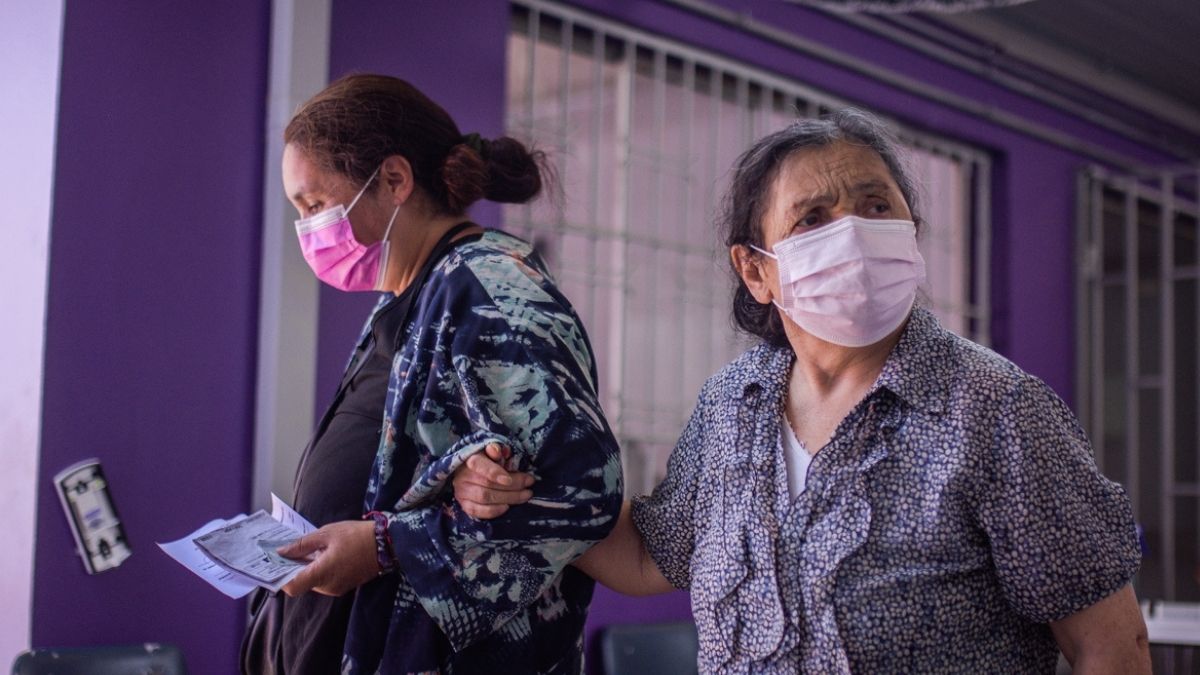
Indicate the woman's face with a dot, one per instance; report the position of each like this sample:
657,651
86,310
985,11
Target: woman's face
312,189
816,186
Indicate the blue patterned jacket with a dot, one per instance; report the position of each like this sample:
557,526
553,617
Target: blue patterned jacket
493,352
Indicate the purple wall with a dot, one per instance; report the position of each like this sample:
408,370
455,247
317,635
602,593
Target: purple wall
152,310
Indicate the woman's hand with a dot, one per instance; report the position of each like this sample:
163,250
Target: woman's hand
344,559
485,489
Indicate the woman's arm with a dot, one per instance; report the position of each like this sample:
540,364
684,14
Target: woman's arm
1108,637
344,554
1062,536
621,562
485,490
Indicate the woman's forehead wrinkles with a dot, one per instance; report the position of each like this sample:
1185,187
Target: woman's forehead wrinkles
813,187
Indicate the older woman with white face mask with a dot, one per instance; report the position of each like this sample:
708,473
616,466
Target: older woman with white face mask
865,491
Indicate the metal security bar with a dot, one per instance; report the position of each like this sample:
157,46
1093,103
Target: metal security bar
1139,363
642,132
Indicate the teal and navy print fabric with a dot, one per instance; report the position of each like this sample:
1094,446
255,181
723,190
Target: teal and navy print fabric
954,512
494,353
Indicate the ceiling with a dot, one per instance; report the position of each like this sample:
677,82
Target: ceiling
1145,52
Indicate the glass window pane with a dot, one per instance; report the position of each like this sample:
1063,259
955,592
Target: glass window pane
1186,250
1147,510
1149,270
1112,227
1187,376
1149,326
1114,416
945,238
1149,240
1187,549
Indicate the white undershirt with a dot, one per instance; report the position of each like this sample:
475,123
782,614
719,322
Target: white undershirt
795,457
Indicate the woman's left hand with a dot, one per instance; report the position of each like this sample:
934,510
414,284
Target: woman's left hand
344,558
484,489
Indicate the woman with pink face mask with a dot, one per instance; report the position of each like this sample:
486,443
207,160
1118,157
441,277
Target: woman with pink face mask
470,344
864,491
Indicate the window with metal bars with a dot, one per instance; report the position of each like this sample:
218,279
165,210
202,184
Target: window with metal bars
1139,360
642,132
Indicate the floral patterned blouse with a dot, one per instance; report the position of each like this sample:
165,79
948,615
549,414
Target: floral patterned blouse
494,353
954,512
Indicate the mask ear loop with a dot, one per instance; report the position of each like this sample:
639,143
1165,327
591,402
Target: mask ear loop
387,232
776,259
385,254
769,255
364,189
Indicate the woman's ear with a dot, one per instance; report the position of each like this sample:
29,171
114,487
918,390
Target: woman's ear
396,176
750,268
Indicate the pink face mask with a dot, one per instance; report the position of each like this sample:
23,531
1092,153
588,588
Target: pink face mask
851,282
335,256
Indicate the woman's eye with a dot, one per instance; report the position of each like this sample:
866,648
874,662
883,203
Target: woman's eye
879,208
811,220
312,208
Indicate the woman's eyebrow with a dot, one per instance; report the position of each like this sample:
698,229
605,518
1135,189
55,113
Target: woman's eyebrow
802,204
870,185
302,193
805,203
307,190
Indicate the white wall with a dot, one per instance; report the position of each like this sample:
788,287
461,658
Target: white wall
30,50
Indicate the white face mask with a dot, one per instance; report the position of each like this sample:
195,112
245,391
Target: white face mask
851,282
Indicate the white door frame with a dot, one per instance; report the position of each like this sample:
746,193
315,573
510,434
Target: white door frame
30,73
288,301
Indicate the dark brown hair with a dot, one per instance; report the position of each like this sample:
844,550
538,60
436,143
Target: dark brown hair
355,123
755,171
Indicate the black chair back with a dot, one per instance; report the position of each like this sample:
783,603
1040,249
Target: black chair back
650,649
144,659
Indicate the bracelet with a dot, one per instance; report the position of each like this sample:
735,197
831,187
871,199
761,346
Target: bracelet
385,555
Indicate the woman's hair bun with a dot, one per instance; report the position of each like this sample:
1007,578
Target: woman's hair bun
465,175
514,172
500,170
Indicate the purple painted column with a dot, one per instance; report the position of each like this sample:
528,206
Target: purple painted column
152,312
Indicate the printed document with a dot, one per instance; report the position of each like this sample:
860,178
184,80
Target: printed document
238,554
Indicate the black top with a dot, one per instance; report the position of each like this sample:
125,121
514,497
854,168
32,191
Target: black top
330,484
